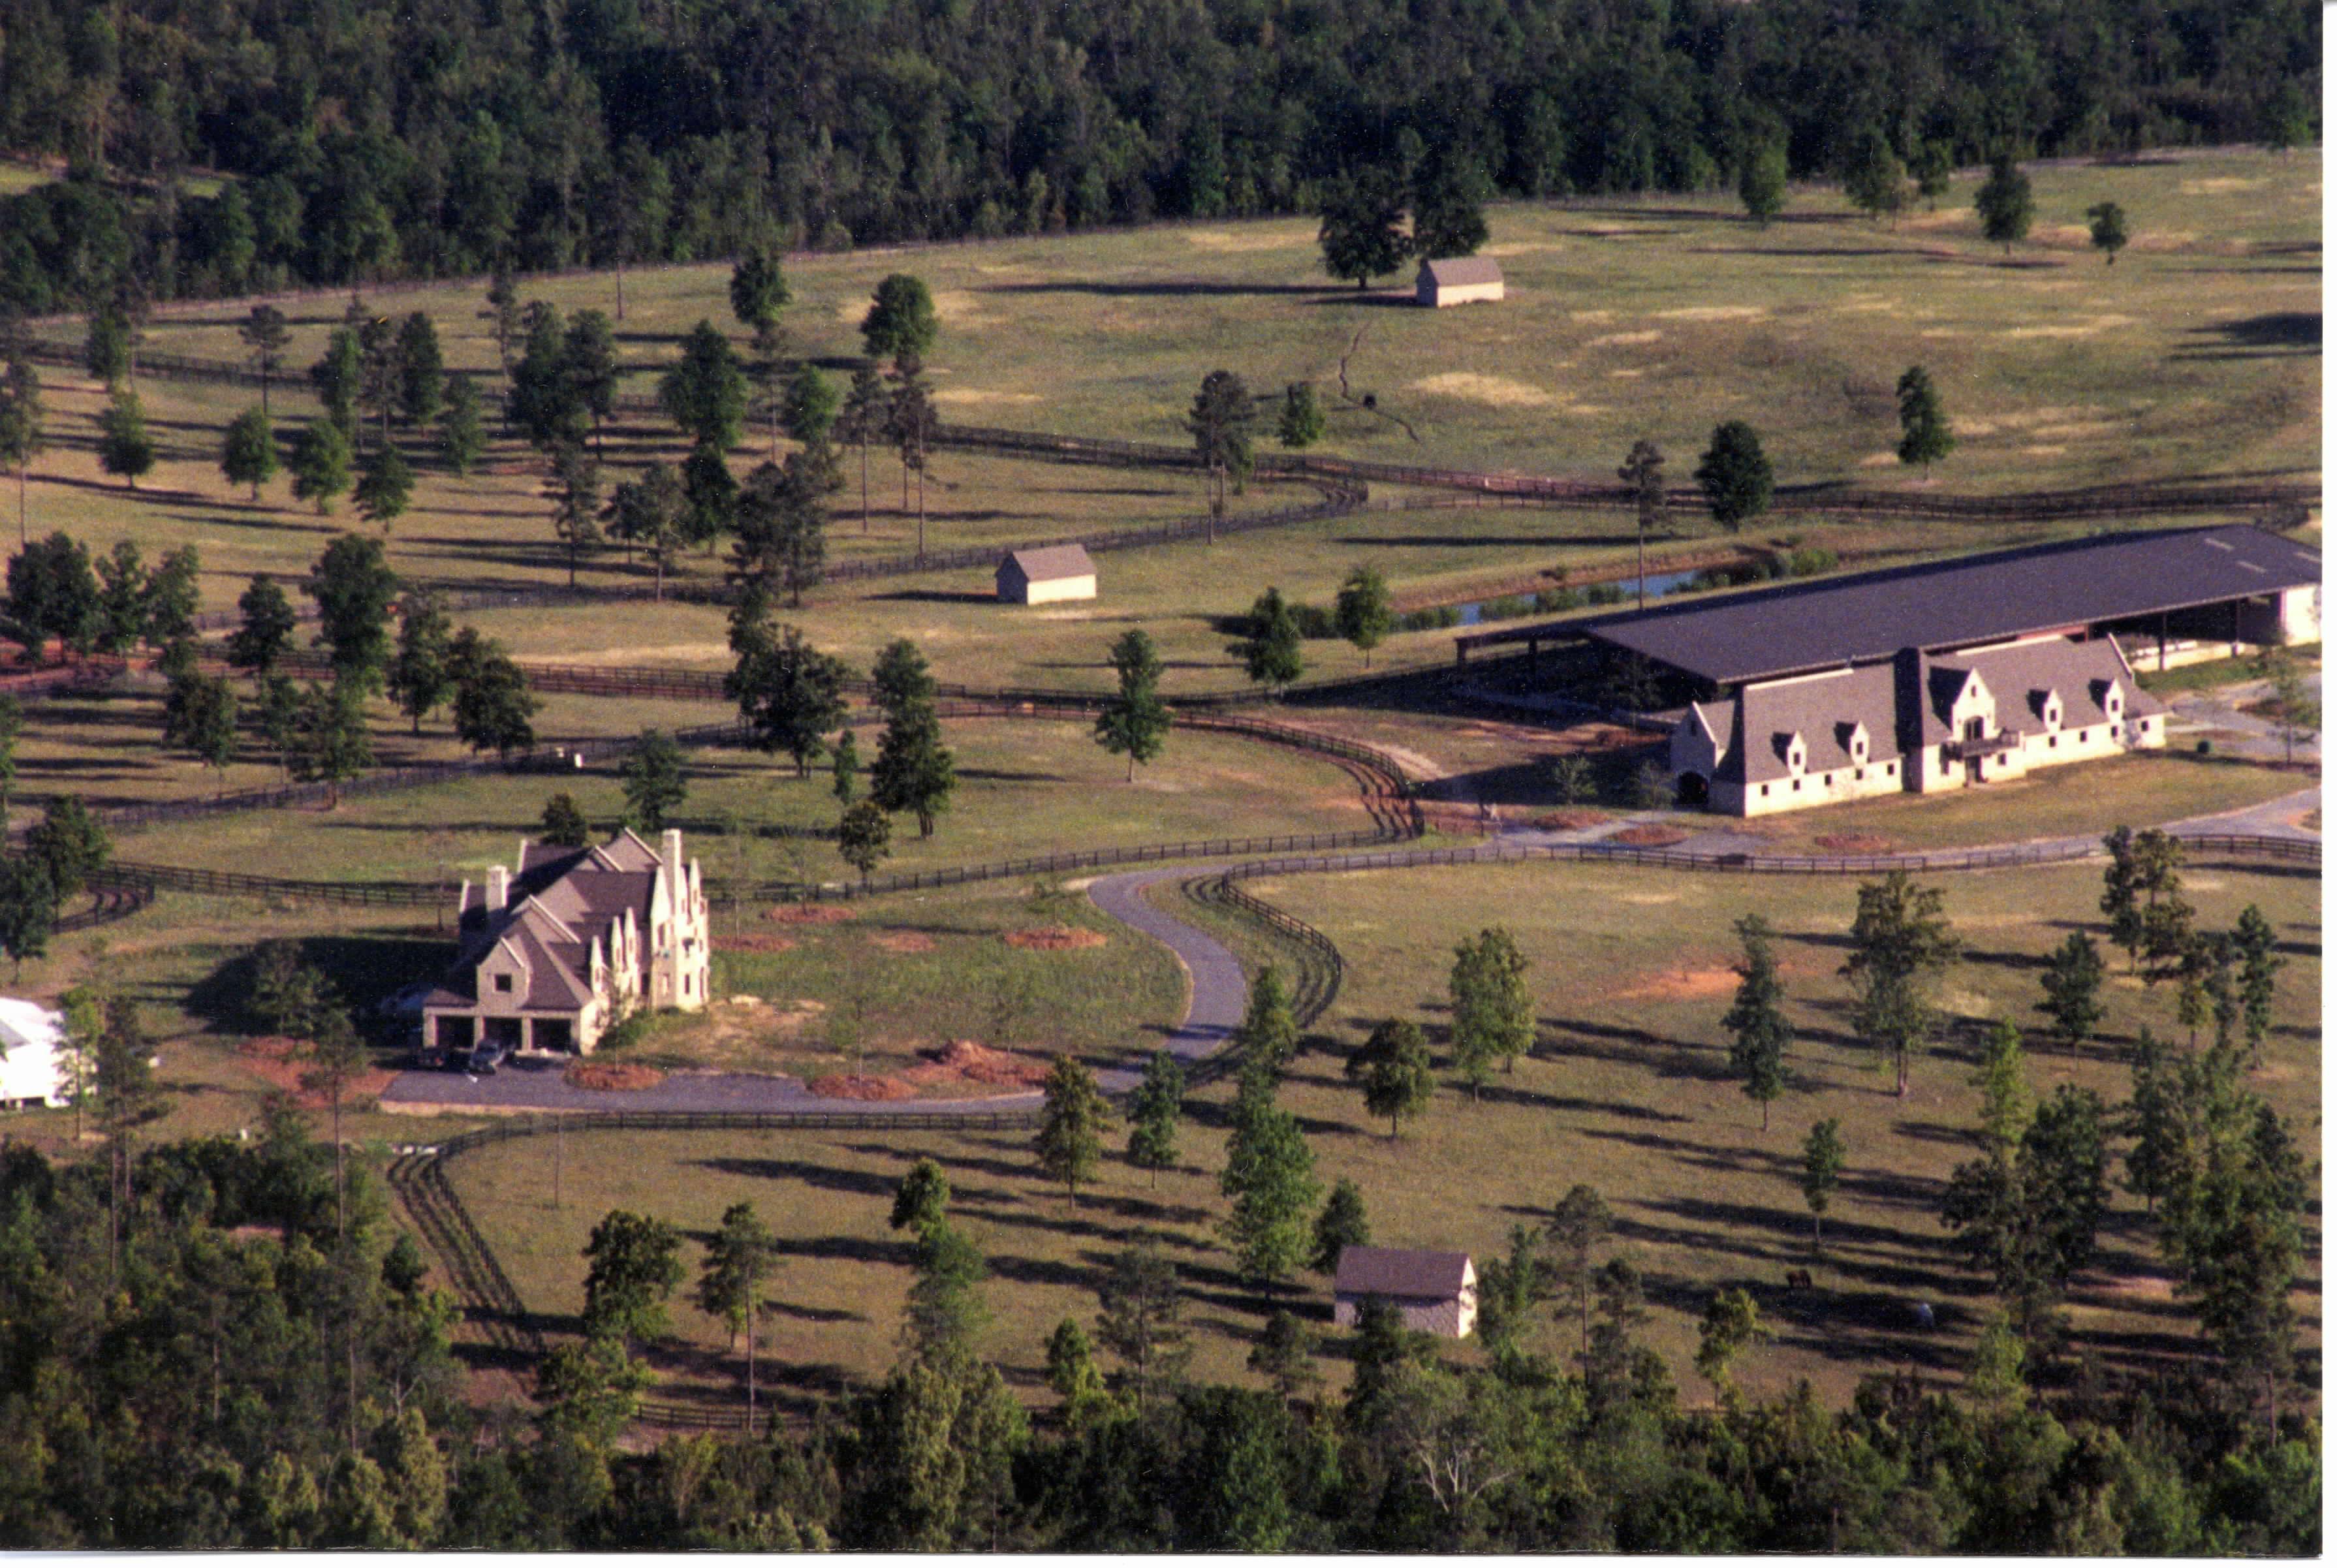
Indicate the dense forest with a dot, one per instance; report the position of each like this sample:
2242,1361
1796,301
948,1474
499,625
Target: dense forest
203,1345
373,141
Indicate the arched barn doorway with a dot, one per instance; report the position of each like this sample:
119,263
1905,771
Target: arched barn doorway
1695,789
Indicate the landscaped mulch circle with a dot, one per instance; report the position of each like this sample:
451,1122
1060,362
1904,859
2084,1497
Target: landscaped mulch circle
1681,985
1649,835
277,1059
808,914
860,1086
904,942
1855,842
611,1075
754,942
1055,938
1566,821
272,1047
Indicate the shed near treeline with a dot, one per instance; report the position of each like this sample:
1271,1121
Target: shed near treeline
1458,281
1045,576
1433,1292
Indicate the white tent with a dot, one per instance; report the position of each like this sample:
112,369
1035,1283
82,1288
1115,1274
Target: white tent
30,1071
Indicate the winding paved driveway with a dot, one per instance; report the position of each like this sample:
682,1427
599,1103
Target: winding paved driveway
1215,1003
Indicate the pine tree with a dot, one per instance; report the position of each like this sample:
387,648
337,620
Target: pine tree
1153,1114
1342,1224
461,433
654,781
2004,204
1302,423
1924,436
1492,1006
1071,1134
1268,1032
1134,721
1899,941
1822,1158
2073,990
1362,612
124,445
1759,1034
738,1259
1271,653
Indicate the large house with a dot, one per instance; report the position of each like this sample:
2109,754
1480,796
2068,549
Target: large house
548,958
1951,674
1917,723
1433,1292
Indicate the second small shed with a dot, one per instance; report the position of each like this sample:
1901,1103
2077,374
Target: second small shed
1458,281
1434,1292
1044,576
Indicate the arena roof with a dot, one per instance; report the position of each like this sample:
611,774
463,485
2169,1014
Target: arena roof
1952,604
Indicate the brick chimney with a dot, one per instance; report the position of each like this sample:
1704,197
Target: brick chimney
498,887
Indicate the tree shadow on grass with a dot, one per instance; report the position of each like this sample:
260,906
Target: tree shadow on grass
362,969
934,596
811,1173
1630,1046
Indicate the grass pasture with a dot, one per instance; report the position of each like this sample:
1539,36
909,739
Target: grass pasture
1025,788
1628,1090
1646,316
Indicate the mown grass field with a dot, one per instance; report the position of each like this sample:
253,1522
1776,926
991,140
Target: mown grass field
1026,787
1651,317
1628,1090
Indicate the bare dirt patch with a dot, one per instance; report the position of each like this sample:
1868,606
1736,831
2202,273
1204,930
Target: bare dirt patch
861,1086
1855,842
612,1075
1566,821
754,942
272,1047
1650,835
1054,938
904,942
971,1062
808,914
1682,985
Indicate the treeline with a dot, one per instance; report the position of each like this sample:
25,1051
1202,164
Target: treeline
371,141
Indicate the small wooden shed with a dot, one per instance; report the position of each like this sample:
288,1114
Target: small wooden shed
1458,281
1434,1292
1045,576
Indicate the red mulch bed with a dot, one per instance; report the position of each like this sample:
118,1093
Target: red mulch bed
278,1060
808,914
860,1086
1054,938
1649,835
754,942
612,1075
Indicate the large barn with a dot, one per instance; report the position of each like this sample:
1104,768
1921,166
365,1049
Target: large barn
1949,673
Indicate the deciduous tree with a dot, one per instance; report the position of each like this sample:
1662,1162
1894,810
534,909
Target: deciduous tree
330,744
1362,612
1761,180
1735,476
1342,1224
266,628
123,445
2105,229
1362,233
1393,1070
320,463
461,433
354,589
1271,653
21,441
635,1266
1492,1006
493,708
2004,203
420,673
901,319
706,392
654,778
385,486
248,451
563,824
864,838
1901,941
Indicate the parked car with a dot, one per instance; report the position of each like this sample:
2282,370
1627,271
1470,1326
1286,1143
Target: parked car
486,1059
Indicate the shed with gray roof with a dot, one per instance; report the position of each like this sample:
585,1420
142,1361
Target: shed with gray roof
1046,575
1434,1292
1458,281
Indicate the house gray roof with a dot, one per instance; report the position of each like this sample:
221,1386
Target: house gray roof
558,902
1051,564
2023,673
1400,1273
1460,272
1824,710
1940,604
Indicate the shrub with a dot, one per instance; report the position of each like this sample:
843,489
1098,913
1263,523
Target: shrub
1602,593
1809,563
1556,600
1507,607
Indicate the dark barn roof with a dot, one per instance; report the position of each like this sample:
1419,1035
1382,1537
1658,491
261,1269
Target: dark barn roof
1401,1273
1954,603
